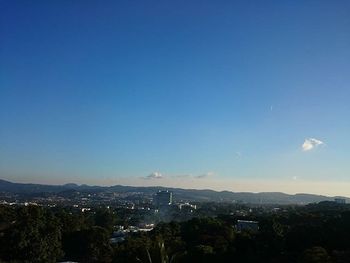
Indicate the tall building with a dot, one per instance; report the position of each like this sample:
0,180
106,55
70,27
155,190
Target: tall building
163,198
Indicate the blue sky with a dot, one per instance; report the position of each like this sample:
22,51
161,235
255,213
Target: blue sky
221,94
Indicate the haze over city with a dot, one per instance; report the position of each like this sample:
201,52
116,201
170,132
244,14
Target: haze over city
225,95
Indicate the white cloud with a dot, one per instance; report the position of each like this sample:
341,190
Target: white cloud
158,175
154,175
310,144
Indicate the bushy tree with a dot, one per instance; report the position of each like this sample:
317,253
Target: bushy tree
88,245
316,255
34,236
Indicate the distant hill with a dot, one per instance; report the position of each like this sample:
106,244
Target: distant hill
179,194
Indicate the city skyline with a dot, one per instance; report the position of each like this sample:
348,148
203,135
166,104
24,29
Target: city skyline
222,95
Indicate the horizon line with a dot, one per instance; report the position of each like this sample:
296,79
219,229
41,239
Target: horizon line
171,187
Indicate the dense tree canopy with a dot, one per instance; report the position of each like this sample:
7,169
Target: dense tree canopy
306,235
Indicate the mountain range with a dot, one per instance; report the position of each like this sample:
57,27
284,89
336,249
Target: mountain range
178,193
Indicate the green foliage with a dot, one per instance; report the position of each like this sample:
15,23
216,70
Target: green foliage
316,255
133,250
305,235
208,231
71,222
105,218
34,236
88,245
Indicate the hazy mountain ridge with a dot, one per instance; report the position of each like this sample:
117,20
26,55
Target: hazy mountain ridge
179,193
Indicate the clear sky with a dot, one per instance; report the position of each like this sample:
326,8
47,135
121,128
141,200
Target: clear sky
236,95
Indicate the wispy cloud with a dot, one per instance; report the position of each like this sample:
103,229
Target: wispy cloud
154,175
182,176
158,175
310,144
206,175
